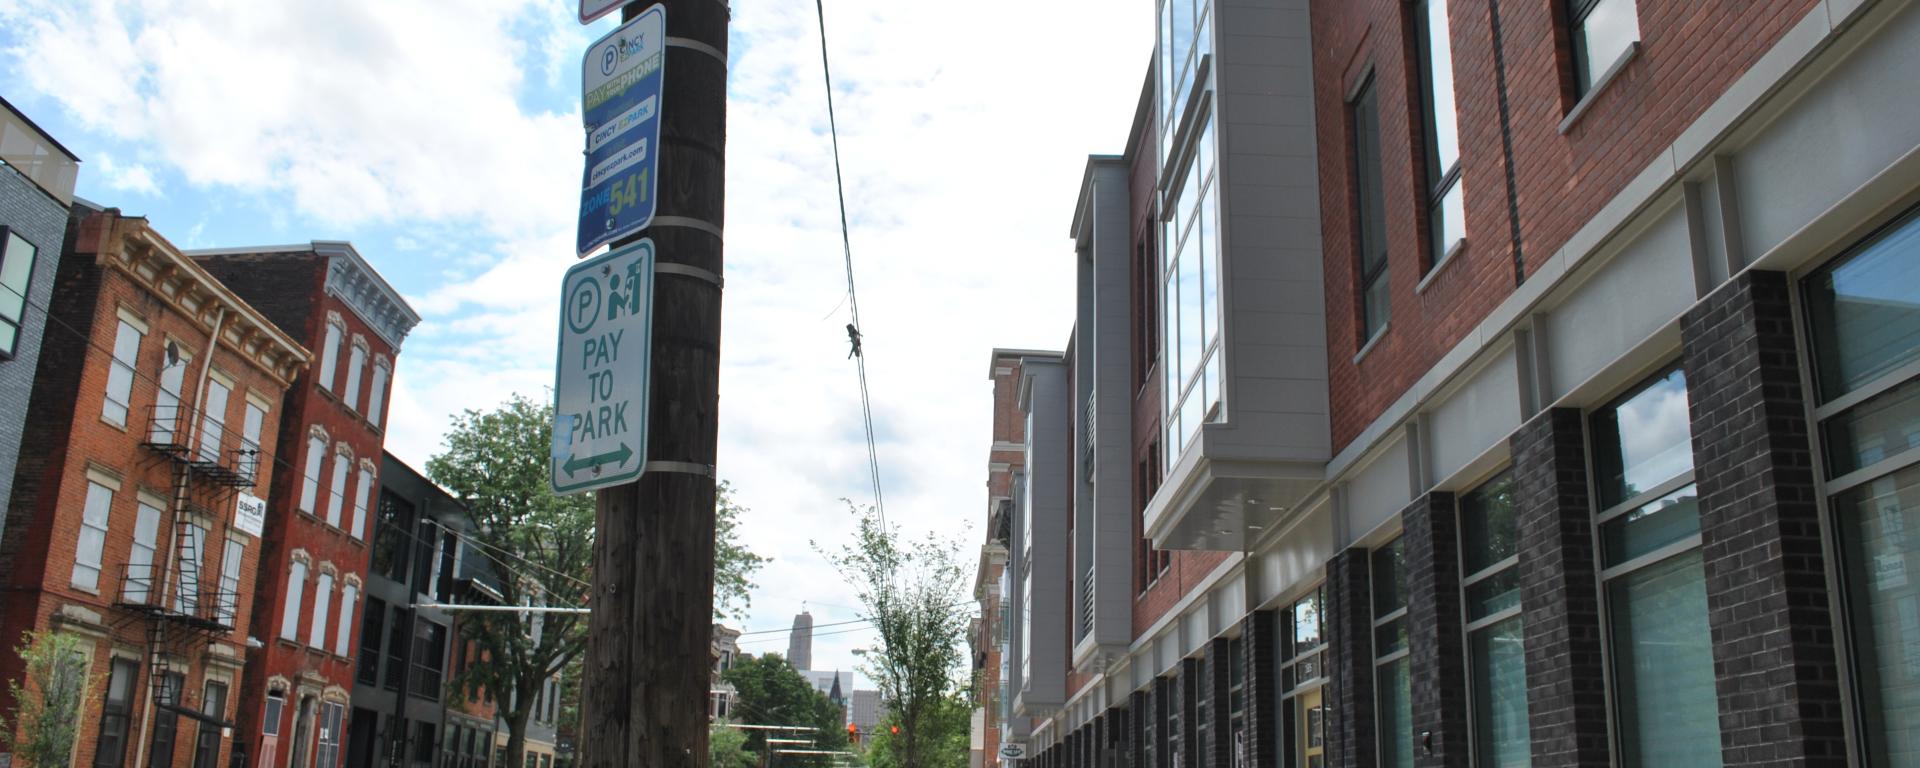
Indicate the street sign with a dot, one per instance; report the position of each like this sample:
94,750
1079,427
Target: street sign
594,9
621,85
601,375
1013,751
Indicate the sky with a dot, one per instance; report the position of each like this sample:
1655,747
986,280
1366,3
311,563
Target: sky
443,139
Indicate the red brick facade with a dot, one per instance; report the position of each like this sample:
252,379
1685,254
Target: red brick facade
168,483
1690,53
293,288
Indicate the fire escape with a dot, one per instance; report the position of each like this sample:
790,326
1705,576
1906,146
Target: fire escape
184,606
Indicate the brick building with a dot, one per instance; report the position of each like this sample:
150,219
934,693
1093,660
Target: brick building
992,630
134,520
36,190
1512,384
314,556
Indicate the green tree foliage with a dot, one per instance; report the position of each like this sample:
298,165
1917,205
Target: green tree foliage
772,693
733,564
915,593
727,748
952,722
46,717
539,547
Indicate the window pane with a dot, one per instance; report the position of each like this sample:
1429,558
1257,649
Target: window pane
1643,441
1663,666
16,269
1493,594
1500,696
1865,310
1390,638
1396,715
1874,430
1306,623
1603,38
1208,231
1880,555
1190,340
1389,578
1487,529
1445,123
1449,221
1662,522
1215,391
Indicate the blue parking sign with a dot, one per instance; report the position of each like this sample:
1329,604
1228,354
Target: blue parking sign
622,80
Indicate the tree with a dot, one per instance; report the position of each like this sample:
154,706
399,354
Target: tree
733,564
538,546
727,748
915,593
46,717
771,692
952,723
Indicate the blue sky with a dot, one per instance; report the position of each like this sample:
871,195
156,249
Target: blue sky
443,139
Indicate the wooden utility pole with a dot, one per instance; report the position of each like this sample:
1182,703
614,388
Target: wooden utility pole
646,682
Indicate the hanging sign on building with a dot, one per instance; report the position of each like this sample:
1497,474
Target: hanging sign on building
621,85
601,376
250,515
1013,750
594,9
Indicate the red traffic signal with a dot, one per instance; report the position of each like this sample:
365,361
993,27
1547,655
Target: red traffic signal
896,730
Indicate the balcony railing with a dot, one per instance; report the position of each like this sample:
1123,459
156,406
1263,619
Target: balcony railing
199,604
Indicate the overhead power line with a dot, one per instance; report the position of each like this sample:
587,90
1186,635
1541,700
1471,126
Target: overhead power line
854,332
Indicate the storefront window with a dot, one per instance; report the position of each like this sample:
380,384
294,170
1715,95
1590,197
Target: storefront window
1864,317
1661,649
1489,558
1392,675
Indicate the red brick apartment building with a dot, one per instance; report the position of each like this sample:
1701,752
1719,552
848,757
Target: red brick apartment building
1485,383
296,699
134,521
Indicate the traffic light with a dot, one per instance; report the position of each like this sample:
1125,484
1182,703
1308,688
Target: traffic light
853,733
896,730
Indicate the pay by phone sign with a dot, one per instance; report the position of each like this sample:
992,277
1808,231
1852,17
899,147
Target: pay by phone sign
622,81
602,375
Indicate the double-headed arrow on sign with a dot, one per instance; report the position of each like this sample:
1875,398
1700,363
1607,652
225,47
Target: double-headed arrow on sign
616,458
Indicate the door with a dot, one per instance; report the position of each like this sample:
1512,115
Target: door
1313,726
213,704
302,733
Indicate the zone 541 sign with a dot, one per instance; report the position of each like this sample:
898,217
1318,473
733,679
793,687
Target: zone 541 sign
601,377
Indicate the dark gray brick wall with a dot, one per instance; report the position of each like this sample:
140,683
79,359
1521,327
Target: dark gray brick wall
1559,593
1436,633
40,220
1262,650
1218,701
1351,741
1767,594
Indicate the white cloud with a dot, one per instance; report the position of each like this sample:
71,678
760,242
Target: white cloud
965,135
136,178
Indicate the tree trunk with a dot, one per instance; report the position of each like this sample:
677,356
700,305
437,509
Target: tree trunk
517,733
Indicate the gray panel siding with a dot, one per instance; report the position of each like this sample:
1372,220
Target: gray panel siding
1111,341
1275,339
1049,492
41,220
1858,121
1640,291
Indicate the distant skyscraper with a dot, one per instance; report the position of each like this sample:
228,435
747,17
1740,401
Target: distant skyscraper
800,648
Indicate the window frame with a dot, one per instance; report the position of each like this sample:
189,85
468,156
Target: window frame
1820,408
1440,182
1577,12
7,234
115,364
295,597
109,711
1382,661
1471,626
1366,94
99,556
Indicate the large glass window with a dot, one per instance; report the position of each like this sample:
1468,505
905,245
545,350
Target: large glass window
348,594
1190,281
290,612
186,568
16,279
1489,565
167,689
372,636
126,351
322,602
92,542
1392,672
1370,227
213,704
429,659
356,363
310,476
228,601
377,394
337,488
327,753
1445,206
1602,31
1186,39
330,354
139,583
167,408
213,422
1863,313
1655,584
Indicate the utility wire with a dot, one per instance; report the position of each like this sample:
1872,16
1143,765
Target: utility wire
853,299
143,377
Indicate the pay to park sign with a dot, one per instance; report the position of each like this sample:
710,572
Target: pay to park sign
621,85
601,377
